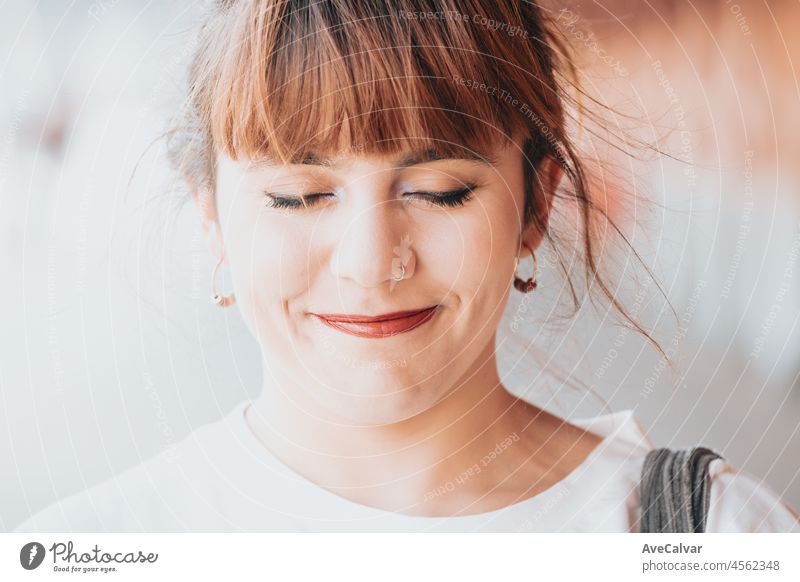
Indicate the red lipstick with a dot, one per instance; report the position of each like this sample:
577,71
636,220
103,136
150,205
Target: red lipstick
378,326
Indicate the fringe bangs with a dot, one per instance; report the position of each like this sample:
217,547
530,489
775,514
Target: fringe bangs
301,79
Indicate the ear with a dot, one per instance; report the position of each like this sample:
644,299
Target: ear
548,178
205,202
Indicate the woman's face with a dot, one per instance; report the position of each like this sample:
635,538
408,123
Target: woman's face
327,236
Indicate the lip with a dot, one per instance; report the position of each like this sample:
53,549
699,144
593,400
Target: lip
378,326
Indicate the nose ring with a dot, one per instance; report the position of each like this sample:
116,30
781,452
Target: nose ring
402,275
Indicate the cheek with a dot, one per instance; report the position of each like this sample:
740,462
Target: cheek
269,266
266,256
478,255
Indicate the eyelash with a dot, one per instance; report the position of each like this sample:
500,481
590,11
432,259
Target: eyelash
449,198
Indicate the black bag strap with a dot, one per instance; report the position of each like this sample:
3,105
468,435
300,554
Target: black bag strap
674,490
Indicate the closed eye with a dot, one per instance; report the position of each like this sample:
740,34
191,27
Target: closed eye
295,202
448,198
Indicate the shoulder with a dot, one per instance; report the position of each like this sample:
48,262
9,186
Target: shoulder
172,491
740,502
737,500
125,502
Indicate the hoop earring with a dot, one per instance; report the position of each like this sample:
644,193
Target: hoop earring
220,300
527,285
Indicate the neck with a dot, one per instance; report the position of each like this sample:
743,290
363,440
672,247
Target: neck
398,466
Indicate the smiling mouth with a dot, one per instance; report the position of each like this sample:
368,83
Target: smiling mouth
378,326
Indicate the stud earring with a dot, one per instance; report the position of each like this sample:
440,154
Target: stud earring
526,285
216,297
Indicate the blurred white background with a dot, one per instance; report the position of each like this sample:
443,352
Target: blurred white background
110,350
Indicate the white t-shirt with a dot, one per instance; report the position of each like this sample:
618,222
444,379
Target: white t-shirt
220,478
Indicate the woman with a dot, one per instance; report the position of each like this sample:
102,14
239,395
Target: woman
375,176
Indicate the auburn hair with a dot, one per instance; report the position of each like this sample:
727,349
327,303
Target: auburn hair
286,79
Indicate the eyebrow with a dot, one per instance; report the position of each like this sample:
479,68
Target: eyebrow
431,155
412,159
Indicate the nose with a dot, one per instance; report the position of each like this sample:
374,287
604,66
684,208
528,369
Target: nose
372,245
